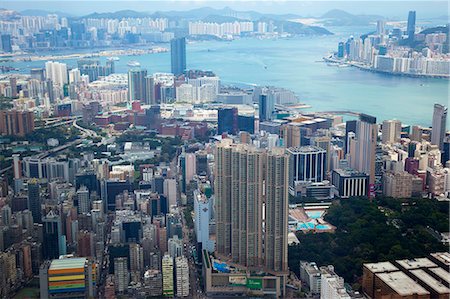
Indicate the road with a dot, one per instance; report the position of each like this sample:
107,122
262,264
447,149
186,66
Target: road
194,281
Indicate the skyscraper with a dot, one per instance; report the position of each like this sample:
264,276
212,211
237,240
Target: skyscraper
6,43
121,274
381,27
439,125
362,148
54,242
57,72
411,27
178,55
266,106
150,91
391,131
84,200
227,120
34,200
246,179
16,123
182,276
306,164
276,212
136,85
167,273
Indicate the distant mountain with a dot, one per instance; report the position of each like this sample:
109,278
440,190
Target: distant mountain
220,19
299,28
8,15
208,14
117,15
438,29
203,13
43,13
337,17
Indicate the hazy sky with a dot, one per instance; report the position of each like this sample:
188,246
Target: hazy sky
425,9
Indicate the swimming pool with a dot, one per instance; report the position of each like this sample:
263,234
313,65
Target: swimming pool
322,226
305,225
221,267
314,214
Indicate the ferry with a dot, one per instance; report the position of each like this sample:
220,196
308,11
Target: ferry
114,58
133,63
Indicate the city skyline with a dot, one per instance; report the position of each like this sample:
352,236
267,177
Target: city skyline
301,8
218,153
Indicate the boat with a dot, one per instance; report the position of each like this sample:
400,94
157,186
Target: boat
114,58
133,63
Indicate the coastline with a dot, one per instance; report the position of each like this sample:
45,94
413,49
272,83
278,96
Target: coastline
105,53
374,70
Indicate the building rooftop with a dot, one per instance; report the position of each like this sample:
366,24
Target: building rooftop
381,267
442,274
306,149
416,263
349,172
68,263
444,257
402,284
430,281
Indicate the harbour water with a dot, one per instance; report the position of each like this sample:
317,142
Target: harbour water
296,64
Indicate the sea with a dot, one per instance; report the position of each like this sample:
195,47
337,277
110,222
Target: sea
295,63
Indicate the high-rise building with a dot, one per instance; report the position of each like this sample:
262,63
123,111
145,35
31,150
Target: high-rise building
350,183
203,211
397,185
276,211
170,191
167,273
245,178
121,274
246,123
6,43
187,164
110,189
306,164
362,152
266,107
137,85
340,52
178,55
16,123
439,125
153,283
391,131
57,72
381,27
175,246
332,285
13,85
182,276
150,91
84,200
85,243
38,74
68,277
34,200
291,134
227,120
136,261
54,243
411,27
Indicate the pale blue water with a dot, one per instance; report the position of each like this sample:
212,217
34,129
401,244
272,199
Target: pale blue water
314,214
292,63
322,226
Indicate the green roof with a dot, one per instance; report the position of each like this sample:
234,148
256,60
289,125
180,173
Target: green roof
68,263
